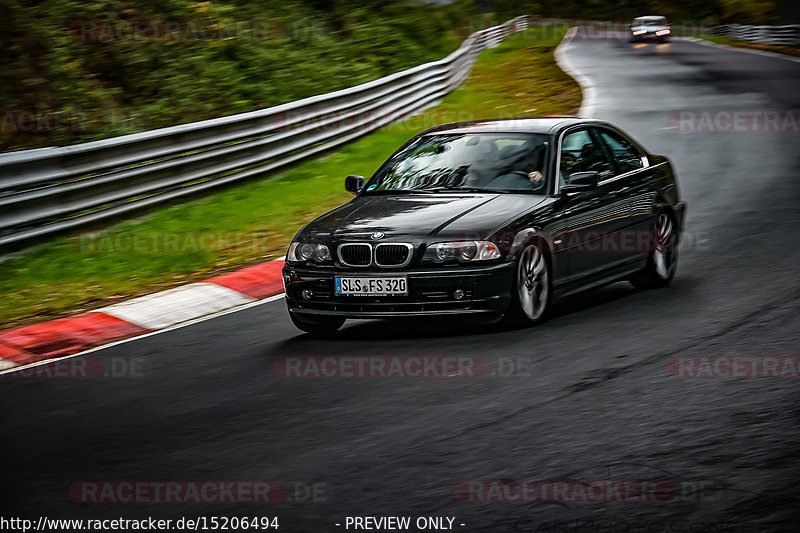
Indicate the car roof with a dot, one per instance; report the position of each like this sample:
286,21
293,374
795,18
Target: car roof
547,125
651,17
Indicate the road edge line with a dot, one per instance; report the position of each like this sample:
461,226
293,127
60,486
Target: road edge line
588,88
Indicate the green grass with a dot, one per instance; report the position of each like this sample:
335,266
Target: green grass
255,221
722,39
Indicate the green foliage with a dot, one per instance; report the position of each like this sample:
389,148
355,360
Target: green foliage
128,86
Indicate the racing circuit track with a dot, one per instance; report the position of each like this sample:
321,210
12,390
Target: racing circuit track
595,401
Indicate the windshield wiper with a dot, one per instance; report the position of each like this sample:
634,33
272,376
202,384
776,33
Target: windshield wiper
377,192
432,190
464,189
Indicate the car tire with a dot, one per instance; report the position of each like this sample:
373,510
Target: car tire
319,326
662,259
531,289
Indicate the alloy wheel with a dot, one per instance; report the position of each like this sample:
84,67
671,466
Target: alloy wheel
664,254
533,283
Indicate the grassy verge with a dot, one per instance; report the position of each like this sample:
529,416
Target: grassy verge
253,222
721,39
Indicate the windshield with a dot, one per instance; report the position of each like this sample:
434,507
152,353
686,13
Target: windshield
650,22
495,162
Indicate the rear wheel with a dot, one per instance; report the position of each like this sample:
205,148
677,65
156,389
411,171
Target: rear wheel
318,325
531,288
662,260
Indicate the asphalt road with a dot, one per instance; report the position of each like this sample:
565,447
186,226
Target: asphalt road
593,402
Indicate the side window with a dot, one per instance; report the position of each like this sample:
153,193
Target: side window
626,156
580,153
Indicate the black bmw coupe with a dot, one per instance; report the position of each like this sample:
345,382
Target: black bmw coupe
498,217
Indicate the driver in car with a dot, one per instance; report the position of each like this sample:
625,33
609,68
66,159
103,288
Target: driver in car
529,170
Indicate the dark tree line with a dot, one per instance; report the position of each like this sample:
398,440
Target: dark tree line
49,61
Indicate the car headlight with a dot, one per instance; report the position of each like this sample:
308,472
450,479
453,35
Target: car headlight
307,251
463,251
639,32
662,32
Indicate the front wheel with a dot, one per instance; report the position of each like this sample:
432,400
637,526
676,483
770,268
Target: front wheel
531,288
662,260
321,326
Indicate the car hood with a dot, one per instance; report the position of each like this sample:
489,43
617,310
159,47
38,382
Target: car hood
421,216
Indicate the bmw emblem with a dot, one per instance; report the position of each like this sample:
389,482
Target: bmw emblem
377,235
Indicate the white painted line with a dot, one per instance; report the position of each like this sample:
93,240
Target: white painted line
142,336
245,302
167,308
5,364
739,48
588,88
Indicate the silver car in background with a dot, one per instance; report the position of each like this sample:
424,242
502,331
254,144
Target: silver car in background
650,28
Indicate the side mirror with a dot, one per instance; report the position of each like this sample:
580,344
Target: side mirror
354,184
581,181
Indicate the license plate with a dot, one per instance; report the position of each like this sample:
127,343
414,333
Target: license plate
369,286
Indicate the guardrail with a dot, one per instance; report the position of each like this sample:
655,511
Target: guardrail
774,35
49,190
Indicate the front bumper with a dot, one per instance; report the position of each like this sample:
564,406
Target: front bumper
650,36
487,289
